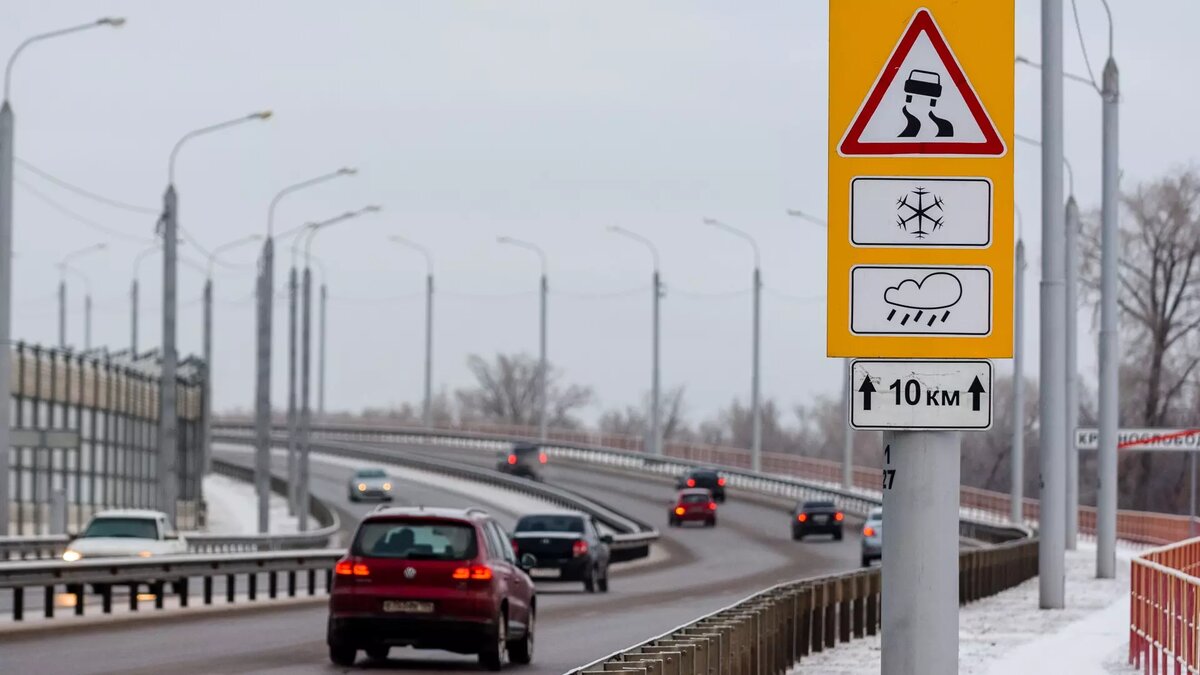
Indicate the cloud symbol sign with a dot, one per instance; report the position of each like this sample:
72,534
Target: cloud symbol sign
938,290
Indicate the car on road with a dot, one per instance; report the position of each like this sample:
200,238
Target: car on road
709,479
431,578
126,533
693,505
817,517
370,484
525,460
872,537
564,547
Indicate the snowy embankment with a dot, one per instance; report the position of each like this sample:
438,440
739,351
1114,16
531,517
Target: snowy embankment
233,508
1007,633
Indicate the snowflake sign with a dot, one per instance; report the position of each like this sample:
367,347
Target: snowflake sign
914,211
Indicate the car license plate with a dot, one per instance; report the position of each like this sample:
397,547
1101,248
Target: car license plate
545,572
408,606
821,519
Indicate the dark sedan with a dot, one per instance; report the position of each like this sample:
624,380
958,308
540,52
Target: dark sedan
708,479
567,546
817,517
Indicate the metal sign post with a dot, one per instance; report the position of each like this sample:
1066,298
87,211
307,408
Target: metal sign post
920,275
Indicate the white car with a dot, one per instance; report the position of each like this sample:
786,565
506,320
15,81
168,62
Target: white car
126,533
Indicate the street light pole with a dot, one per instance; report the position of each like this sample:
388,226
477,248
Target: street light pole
1017,463
656,440
64,266
167,420
755,412
134,300
543,366
265,296
1110,349
427,407
7,127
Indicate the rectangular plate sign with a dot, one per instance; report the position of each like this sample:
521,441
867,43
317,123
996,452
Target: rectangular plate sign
929,395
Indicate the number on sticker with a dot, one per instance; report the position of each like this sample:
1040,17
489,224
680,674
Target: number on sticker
889,477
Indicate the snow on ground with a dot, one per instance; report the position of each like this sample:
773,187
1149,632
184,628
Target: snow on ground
233,508
1007,633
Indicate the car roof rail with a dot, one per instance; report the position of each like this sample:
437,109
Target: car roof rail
477,510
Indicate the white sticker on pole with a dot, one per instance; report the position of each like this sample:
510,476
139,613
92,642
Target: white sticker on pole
931,301
906,394
1182,439
895,211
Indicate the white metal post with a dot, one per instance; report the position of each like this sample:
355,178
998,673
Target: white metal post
62,313
1071,376
292,429
1018,395
262,382
206,396
133,319
1052,403
427,409
87,321
920,552
656,433
848,437
302,489
543,365
755,411
6,199
1110,349
321,356
168,479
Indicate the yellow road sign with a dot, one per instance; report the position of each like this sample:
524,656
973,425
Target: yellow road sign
920,179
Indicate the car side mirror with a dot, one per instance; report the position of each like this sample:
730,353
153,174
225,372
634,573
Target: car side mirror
528,561
606,539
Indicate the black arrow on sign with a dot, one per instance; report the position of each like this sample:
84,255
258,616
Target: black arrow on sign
976,389
867,389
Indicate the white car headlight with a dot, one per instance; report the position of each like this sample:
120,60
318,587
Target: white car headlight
145,554
387,486
71,556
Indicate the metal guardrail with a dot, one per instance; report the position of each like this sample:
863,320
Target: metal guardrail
165,575
1164,604
632,539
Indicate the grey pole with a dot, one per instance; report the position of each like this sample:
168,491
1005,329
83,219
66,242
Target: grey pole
133,320
87,321
321,362
166,476
305,409
262,384
755,412
62,313
656,289
1192,496
6,232
1052,403
206,397
1110,349
1018,401
920,575
1071,376
848,433
543,366
292,429
427,409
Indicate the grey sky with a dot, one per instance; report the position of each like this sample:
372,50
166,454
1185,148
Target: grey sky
541,120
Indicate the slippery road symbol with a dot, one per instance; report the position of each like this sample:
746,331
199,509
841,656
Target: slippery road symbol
926,84
911,299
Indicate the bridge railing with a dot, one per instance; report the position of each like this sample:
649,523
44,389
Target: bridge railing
1164,609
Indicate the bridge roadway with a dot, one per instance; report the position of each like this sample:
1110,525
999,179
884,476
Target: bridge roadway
703,570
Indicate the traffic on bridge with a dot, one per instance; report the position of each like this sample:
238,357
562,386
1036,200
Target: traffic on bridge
545,338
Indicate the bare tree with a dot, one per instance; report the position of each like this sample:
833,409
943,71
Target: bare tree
634,420
506,391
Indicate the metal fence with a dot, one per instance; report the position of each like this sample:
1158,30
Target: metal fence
1164,609
111,401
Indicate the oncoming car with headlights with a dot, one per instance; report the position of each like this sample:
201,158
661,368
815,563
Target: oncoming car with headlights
370,484
126,533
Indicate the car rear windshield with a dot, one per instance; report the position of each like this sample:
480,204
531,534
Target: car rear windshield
371,473
139,528
693,499
550,523
818,505
416,540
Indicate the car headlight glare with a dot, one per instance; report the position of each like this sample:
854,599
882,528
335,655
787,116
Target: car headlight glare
362,487
387,486
144,554
71,556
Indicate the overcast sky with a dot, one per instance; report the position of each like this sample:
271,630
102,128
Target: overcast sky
546,121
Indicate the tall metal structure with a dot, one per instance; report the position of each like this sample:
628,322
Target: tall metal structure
1018,401
656,290
543,375
427,405
1110,349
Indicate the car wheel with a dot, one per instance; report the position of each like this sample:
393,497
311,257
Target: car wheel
492,656
866,562
602,582
837,536
379,653
589,582
342,655
521,651
797,536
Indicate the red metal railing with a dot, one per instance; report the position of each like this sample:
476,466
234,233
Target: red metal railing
1164,609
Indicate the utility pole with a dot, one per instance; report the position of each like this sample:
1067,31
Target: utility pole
848,438
427,408
133,318
543,365
1018,401
1071,376
87,321
62,313
168,445
1052,403
206,397
321,358
656,289
305,421
1110,349
292,422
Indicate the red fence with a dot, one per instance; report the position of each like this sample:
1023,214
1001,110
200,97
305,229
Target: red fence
1164,609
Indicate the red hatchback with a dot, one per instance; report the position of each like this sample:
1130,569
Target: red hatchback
693,505
431,579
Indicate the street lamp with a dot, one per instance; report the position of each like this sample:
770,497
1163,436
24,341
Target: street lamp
133,295
7,126
265,295
306,360
64,266
755,414
543,374
427,408
656,291
168,432
847,376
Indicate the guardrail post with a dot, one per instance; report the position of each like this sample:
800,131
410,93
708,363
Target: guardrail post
818,618
48,600
18,604
874,584
831,588
845,587
860,591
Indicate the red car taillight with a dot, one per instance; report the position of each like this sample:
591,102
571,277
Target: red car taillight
712,506
474,573
721,482
803,517
542,458
839,516
512,459
679,510
579,548
691,482
515,547
868,531
349,568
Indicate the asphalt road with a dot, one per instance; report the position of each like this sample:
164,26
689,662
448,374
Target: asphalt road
704,570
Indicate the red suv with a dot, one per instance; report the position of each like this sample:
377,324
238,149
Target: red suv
431,579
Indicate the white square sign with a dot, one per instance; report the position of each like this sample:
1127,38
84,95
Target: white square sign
920,300
906,394
926,212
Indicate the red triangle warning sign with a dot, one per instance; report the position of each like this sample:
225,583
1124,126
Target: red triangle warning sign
922,103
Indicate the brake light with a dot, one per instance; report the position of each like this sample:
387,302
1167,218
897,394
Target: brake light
803,517
516,548
721,482
474,573
839,516
712,506
512,459
347,568
579,548
679,510
542,458
691,482
868,531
